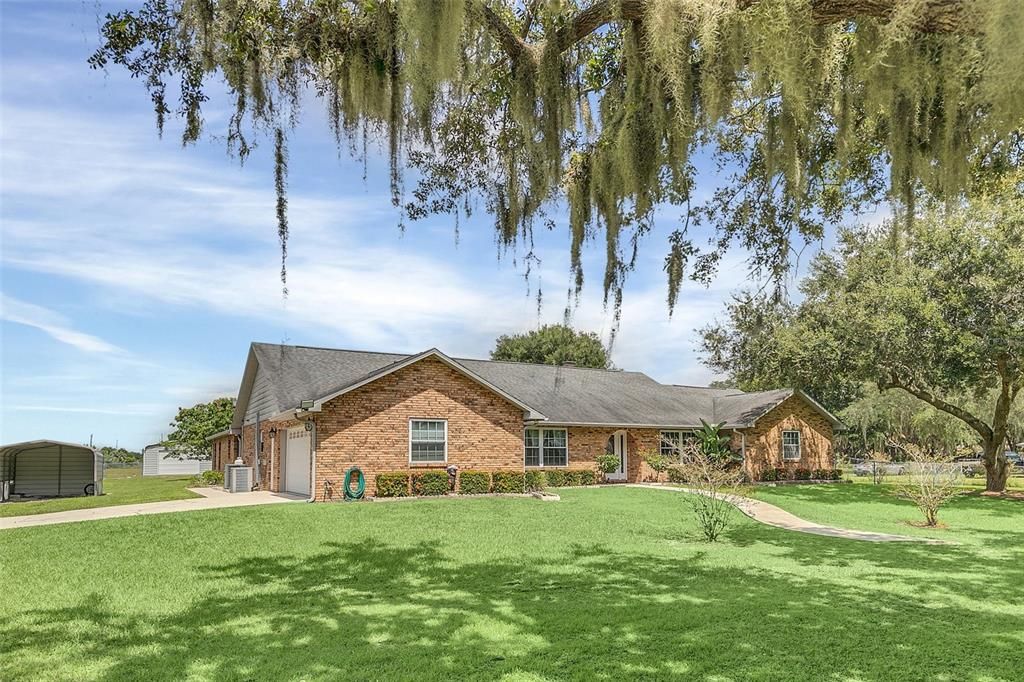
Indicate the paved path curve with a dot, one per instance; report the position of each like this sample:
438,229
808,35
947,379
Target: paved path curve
771,515
212,498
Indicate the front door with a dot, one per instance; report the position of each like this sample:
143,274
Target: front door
296,462
617,447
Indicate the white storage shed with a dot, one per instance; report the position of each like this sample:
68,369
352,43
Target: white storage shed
156,461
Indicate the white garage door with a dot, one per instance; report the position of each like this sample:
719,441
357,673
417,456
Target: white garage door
296,461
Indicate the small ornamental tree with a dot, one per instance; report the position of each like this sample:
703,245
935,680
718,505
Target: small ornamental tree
658,462
194,424
930,480
713,479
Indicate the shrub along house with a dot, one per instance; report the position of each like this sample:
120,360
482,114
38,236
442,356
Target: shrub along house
319,411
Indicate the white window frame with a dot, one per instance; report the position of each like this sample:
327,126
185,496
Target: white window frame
665,443
413,462
685,435
799,446
540,447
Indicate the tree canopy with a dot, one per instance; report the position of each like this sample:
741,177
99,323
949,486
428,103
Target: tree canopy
936,311
808,108
553,344
117,454
193,425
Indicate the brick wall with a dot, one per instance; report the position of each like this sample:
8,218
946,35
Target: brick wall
369,427
223,451
764,441
270,457
587,443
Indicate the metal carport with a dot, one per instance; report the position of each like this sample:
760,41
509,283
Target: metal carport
49,468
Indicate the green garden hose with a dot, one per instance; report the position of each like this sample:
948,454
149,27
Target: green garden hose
356,494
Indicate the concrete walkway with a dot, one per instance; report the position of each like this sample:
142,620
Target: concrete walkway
212,498
771,515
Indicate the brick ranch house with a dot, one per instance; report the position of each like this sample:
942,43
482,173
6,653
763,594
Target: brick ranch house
319,411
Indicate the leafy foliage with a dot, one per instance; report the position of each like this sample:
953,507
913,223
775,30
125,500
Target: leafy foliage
535,480
193,425
937,312
658,462
433,482
509,482
809,108
474,482
935,309
712,442
210,478
882,416
607,463
746,346
393,484
555,478
553,344
119,455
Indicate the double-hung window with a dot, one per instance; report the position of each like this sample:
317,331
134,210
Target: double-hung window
674,443
428,440
546,448
791,446
671,444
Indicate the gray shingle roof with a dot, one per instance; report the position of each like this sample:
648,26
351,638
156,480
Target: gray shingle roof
564,395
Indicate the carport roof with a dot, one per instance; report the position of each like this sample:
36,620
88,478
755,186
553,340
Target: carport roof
11,449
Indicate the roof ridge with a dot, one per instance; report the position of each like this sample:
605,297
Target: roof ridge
409,355
544,364
343,350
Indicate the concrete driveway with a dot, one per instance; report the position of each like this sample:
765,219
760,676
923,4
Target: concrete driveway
212,498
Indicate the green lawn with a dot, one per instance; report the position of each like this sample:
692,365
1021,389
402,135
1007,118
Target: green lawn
120,486
609,583
971,519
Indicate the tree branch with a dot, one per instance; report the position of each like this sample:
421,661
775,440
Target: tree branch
937,16
516,48
983,429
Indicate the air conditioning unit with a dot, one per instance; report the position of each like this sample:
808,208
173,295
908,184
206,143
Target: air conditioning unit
237,478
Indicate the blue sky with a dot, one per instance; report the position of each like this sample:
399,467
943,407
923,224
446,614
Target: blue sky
135,272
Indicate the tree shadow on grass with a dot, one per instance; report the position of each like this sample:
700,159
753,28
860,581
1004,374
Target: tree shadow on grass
358,611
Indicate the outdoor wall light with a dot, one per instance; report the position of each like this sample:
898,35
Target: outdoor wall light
306,404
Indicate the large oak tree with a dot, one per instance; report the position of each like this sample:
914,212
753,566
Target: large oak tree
936,311
809,108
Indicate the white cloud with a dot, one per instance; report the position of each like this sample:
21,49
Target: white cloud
125,410
53,324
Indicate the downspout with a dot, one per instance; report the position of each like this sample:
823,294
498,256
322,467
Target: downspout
273,460
257,450
743,449
312,461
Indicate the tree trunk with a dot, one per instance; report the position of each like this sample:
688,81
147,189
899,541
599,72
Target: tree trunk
997,469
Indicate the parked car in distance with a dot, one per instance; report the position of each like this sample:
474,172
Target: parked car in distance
974,466
1016,461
